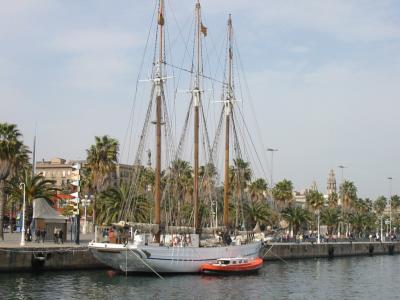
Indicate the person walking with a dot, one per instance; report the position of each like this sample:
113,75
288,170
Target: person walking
55,235
43,235
60,236
37,235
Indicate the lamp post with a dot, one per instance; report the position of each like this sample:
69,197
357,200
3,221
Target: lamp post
341,182
390,204
22,186
272,164
85,203
318,238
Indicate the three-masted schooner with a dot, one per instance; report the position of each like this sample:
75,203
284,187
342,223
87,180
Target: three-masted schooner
165,249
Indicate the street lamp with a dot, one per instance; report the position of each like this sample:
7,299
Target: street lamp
390,204
272,164
85,203
342,167
318,238
341,198
22,187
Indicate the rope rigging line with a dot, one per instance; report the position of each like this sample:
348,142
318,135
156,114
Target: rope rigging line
132,114
192,72
250,98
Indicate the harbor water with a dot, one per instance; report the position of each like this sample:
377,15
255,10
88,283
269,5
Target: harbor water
374,277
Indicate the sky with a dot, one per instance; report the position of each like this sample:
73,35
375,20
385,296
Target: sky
323,79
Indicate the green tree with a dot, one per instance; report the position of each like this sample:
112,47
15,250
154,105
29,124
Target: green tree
348,194
240,176
257,212
13,156
330,216
395,203
380,205
296,217
315,201
283,193
110,203
101,163
333,200
258,188
36,186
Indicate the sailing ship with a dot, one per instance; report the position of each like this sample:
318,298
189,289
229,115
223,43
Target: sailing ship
159,247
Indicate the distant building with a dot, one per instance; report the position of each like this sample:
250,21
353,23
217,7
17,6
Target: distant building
300,198
60,170
57,169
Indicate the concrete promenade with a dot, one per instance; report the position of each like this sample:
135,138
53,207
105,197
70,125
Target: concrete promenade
285,251
45,256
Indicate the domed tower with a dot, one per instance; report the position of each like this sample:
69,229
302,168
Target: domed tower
331,187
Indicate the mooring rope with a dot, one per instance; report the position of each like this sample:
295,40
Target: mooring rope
155,272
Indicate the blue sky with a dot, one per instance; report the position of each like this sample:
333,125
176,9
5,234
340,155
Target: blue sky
323,78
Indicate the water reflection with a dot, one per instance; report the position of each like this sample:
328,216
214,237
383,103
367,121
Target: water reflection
340,278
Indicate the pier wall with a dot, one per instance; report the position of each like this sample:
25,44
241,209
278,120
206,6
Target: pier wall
36,259
331,250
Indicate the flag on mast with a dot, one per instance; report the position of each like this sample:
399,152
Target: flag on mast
203,29
160,19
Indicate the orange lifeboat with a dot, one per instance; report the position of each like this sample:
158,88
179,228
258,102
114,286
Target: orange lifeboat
235,265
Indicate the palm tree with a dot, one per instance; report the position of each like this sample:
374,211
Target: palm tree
36,186
208,174
13,155
395,203
330,216
240,176
257,189
348,193
296,217
380,205
315,201
257,212
101,162
283,192
333,199
110,203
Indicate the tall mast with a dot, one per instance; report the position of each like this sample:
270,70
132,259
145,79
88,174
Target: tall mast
159,86
196,97
227,108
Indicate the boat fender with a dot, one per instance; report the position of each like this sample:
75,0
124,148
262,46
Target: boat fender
331,251
371,249
176,241
391,249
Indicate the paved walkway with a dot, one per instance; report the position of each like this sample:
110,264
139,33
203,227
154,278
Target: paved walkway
12,240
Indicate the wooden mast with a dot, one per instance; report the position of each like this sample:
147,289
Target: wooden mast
227,103
159,82
196,97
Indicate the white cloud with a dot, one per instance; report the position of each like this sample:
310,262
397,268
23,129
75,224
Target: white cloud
95,41
95,71
299,49
347,20
96,58
18,16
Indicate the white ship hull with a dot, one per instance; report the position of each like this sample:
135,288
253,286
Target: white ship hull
133,258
